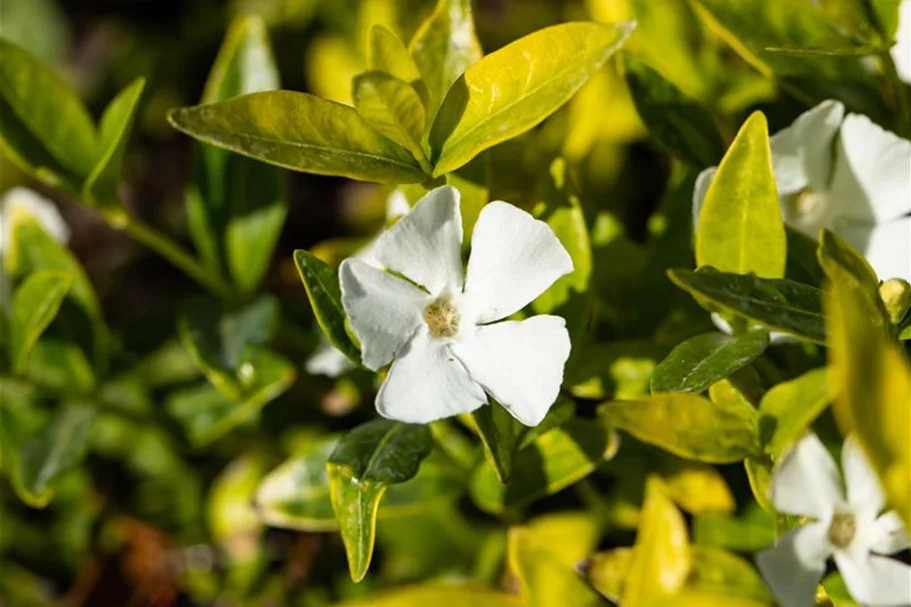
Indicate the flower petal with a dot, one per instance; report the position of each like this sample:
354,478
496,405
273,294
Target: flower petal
700,189
901,52
870,183
802,153
384,311
875,581
886,246
514,258
888,534
865,493
519,363
426,383
327,360
426,244
794,566
36,205
806,482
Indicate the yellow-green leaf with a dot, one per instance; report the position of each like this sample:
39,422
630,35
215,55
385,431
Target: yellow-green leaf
35,304
510,91
788,409
740,228
386,53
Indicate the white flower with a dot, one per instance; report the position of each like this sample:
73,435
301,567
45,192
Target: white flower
848,526
434,326
846,174
901,52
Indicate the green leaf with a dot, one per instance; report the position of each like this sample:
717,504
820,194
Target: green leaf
677,123
444,46
36,462
740,227
701,361
244,63
300,132
788,409
512,90
842,264
387,54
751,531
223,343
394,109
661,558
363,464
780,305
689,426
61,365
501,435
554,461
35,304
43,125
100,187
887,16
321,284
206,414
720,572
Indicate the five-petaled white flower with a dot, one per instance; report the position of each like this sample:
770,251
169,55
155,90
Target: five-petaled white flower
849,529
861,189
412,307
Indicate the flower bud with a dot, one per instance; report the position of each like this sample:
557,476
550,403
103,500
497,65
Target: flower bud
896,296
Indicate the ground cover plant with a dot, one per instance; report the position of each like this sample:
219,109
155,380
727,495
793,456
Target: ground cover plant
406,303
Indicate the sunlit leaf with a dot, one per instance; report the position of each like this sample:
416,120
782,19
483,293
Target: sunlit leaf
703,360
697,488
386,53
844,265
607,571
718,571
740,227
510,91
437,594
35,304
788,409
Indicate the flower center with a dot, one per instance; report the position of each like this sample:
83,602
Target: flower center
842,530
806,206
442,318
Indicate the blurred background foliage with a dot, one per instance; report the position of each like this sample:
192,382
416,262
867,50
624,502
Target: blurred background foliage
162,512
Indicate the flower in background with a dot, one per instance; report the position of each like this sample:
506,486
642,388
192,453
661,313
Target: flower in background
439,329
848,526
847,174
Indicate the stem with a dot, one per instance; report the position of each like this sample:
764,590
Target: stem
173,252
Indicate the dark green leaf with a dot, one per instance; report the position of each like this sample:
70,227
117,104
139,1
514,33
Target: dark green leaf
781,305
300,132
321,284
35,304
677,123
501,435
701,361
100,187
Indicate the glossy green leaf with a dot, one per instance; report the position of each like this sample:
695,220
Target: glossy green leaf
40,459
325,294
872,376
386,53
100,187
661,558
510,91
363,464
223,343
554,461
206,414
687,425
444,46
501,435
35,304
677,123
300,132
780,305
394,109
703,360
720,572
788,409
43,125
740,227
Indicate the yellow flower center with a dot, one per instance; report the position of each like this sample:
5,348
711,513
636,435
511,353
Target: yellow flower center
442,318
806,206
842,530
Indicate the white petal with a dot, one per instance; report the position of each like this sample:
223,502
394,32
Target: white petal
865,493
426,244
802,153
886,246
384,311
703,181
327,360
871,181
514,258
806,482
901,52
426,383
397,205
875,581
888,534
38,207
519,363
794,566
